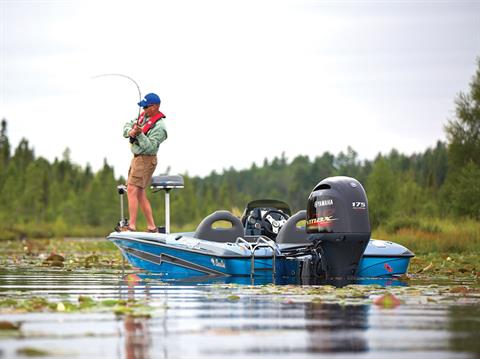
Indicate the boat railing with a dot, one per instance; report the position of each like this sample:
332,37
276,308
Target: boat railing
261,242
247,244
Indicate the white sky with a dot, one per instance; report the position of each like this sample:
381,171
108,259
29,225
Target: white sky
240,81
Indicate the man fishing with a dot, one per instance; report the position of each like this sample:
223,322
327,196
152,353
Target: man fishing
145,134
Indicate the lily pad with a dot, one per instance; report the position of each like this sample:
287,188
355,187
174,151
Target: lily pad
54,257
6,325
33,352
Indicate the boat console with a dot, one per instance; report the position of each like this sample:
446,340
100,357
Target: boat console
265,217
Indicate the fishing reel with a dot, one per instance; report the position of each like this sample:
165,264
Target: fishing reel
135,127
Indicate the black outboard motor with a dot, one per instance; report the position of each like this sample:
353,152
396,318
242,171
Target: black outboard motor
338,224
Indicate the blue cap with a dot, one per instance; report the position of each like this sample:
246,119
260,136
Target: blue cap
149,99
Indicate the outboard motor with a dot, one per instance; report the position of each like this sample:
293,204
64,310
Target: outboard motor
338,224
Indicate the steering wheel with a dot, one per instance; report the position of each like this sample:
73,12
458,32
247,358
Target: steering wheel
272,220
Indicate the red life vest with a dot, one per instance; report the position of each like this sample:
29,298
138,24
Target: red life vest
151,121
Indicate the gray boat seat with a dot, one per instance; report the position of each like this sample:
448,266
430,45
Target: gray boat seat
166,182
290,233
207,232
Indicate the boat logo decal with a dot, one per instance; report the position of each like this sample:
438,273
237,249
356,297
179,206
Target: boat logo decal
388,268
326,221
218,262
323,202
359,205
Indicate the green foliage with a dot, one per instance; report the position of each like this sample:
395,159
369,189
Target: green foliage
432,235
463,132
394,225
411,197
42,199
431,167
382,191
464,191
4,145
38,198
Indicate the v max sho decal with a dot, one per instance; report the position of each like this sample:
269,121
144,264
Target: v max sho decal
326,221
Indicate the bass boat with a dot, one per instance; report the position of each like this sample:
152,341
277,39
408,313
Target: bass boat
330,239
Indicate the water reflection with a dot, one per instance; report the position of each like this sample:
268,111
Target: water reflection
336,328
282,327
220,279
464,325
204,320
137,338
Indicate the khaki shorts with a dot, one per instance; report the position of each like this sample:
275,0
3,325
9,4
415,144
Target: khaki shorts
141,171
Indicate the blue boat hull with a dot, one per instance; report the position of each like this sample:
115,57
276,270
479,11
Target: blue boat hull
172,259
383,266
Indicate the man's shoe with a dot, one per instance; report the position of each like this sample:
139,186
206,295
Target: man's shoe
127,229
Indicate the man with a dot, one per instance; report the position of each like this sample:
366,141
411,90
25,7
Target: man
145,133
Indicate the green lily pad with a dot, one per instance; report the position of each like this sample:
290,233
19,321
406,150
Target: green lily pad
33,352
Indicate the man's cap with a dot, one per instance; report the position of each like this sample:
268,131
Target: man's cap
149,99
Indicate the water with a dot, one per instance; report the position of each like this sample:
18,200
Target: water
219,320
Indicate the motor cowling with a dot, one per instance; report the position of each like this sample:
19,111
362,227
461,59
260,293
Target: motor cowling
338,224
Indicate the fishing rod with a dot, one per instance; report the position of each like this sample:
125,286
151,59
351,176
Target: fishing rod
138,89
129,78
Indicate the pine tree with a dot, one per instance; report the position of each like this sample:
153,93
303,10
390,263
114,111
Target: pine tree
463,134
4,147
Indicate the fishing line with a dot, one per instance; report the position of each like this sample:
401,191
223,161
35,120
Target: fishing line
129,78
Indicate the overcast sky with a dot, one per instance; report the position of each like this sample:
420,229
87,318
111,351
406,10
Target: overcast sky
240,81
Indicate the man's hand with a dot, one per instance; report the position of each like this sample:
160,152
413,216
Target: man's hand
135,131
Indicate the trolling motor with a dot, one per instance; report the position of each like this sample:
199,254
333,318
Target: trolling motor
123,221
339,227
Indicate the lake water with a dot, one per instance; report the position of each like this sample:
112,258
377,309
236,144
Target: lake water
220,320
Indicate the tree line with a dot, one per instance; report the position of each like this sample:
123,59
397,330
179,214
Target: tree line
60,198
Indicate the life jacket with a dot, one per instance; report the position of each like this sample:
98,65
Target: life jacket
151,121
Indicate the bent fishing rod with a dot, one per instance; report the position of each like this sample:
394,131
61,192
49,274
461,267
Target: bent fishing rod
129,78
138,89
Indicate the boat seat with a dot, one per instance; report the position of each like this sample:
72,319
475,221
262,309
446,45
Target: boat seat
207,232
290,233
166,182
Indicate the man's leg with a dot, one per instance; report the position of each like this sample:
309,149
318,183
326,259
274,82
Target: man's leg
133,194
146,208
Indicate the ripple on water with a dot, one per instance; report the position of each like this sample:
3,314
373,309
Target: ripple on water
219,320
